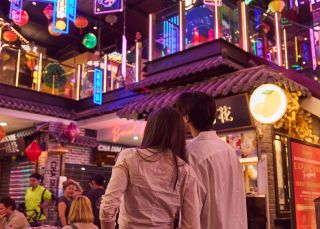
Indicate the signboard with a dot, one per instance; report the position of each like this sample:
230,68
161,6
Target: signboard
305,177
51,181
12,144
232,113
107,6
107,153
97,86
16,10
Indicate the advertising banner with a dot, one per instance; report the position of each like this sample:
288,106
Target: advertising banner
305,172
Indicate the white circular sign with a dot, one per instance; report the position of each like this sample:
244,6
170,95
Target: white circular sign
268,103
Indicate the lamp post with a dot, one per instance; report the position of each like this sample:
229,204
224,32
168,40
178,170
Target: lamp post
276,6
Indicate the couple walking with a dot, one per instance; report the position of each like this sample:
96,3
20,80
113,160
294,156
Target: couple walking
200,184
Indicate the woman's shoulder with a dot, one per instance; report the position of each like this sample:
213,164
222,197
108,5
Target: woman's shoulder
126,154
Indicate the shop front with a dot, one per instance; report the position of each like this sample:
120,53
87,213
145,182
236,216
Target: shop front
258,144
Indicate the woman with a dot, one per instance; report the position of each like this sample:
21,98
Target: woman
155,181
80,215
64,202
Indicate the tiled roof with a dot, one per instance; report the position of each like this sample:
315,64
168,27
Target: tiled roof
107,108
184,70
33,107
231,83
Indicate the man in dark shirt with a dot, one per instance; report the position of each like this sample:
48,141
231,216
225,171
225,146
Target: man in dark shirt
95,194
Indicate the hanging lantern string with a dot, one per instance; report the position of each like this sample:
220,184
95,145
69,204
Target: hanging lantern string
4,24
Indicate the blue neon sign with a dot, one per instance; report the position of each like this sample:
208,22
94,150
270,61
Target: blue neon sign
97,86
16,10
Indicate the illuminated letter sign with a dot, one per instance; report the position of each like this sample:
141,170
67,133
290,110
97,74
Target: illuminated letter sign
64,10
107,6
97,86
16,10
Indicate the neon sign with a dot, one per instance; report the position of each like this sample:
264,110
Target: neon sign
97,86
107,6
16,10
64,11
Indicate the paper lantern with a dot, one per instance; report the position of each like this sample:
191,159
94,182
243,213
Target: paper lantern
81,22
24,18
72,132
61,25
2,133
55,34
276,6
268,103
89,41
33,151
111,19
48,11
10,36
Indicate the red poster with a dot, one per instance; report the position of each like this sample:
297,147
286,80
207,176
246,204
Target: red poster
306,183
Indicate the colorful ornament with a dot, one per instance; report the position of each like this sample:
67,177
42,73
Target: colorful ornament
2,133
24,19
10,36
31,55
81,23
277,6
54,76
89,41
31,64
51,31
72,132
48,12
33,151
61,25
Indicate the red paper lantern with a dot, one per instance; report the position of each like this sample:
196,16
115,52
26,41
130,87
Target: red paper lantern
24,18
48,12
72,132
33,151
10,36
81,23
2,133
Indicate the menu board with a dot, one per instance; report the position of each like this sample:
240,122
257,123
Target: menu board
12,144
305,171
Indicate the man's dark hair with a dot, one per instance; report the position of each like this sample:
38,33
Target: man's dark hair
8,202
99,179
200,109
36,176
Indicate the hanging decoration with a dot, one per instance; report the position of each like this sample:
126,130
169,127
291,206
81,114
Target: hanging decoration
51,31
58,150
111,19
107,6
2,133
10,36
81,23
33,151
72,132
277,6
48,11
64,11
24,18
54,76
89,41
31,64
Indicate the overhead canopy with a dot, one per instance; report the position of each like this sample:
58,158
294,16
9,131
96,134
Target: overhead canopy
232,83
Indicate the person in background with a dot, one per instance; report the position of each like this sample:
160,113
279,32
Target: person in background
10,218
95,194
64,202
219,173
80,215
36,199
155,181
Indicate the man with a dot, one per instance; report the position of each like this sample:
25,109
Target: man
219,173
36,198
10,217
95,194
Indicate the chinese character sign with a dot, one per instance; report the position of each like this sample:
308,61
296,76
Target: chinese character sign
107,6
16,10
97,86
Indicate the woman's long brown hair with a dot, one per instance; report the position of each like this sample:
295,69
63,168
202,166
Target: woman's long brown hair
165,130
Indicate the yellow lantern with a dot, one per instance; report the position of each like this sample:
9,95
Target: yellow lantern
60,25
276,6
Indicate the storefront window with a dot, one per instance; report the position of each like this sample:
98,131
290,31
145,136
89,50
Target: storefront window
281,171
